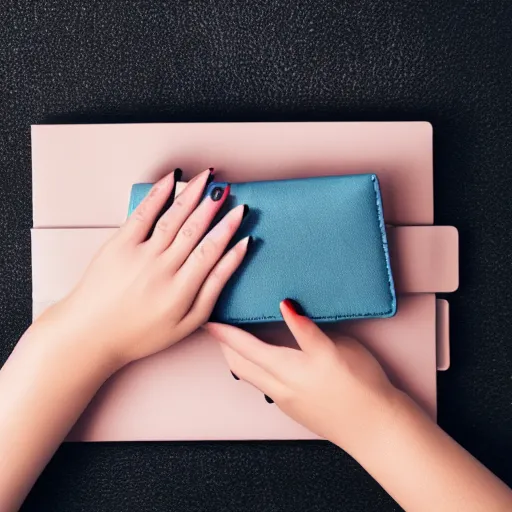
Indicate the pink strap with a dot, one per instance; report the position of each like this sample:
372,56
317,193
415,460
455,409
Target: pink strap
442,334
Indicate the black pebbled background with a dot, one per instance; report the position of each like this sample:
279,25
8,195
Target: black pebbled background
125,61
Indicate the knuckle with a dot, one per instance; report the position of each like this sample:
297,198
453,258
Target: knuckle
178,203
206,249
140,212
189,230
163,224
284,396
154,192
337,363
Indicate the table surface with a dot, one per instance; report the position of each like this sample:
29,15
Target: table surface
446,62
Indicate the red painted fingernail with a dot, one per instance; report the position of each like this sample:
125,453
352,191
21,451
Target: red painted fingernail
293,307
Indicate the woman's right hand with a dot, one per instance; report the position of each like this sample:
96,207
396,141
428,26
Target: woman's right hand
336,389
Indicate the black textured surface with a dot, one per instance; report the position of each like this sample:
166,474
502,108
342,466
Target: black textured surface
446,62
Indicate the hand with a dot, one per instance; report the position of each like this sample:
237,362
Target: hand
141,295
337,390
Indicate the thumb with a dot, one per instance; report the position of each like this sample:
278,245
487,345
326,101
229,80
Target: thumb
309,336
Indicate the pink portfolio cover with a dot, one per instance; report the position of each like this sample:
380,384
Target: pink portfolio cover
82,175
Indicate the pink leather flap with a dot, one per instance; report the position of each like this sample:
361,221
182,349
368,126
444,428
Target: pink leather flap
76,164
425,259
442,334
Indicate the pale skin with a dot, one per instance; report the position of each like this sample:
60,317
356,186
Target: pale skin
141,295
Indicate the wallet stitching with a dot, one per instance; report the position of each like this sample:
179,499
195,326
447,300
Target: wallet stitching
385,248
384,245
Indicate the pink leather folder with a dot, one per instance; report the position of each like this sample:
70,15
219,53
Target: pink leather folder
82,175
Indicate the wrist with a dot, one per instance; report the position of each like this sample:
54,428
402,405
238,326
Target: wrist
384,414
61,331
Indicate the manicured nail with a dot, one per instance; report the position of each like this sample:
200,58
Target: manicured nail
217,193
246,211
196,177
235,377
162,183
293,307
269,400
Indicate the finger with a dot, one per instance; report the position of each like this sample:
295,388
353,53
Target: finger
268,357
140,222
172,220
251,373
191,276
193,230
180,187
308,335
170,200
211,289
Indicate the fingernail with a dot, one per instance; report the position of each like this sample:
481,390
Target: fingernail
235,377
217,193
178,173
294,307
269,400
163,182
195,178
210,178
246,211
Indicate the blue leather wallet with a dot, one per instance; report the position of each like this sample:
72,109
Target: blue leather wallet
319,241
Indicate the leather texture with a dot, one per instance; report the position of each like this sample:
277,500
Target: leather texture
319,241
69,61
